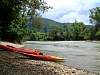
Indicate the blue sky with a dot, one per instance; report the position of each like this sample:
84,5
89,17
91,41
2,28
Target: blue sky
70,10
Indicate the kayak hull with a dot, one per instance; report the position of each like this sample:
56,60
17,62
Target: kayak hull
22,50
32,53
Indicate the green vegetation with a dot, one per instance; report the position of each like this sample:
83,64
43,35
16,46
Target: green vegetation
13,18
20,20
64,32
55,31
95,20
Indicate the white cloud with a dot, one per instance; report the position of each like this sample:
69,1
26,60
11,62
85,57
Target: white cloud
71,17
69,10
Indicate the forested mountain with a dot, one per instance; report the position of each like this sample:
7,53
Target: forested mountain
45,24
46,29
48,24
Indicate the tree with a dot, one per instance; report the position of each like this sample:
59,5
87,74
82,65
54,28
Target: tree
89,33
56,34
12,11
67,32
95,18
77,30
18,31
98,35
9,10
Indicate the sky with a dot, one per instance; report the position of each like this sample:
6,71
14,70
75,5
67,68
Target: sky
65,11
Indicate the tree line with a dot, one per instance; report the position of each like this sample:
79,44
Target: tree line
75,31
14,16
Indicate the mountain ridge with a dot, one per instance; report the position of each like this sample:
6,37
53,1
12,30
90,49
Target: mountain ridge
49,25
54,22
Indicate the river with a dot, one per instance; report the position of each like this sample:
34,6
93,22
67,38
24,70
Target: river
78,54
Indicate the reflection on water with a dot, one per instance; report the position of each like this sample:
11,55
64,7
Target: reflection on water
81,54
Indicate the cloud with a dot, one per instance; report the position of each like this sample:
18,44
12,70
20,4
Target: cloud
70,10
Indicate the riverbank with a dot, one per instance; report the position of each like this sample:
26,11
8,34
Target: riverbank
16,64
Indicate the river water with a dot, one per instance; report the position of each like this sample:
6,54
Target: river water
78,54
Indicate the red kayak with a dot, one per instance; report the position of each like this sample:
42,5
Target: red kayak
22,50
31,53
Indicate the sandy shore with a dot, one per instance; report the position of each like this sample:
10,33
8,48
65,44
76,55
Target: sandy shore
16,64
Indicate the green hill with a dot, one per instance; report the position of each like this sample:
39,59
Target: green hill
52,22
48,25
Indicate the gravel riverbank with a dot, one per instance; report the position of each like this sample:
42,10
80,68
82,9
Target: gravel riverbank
16,64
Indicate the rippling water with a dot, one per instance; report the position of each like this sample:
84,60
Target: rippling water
79,54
